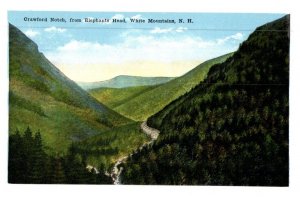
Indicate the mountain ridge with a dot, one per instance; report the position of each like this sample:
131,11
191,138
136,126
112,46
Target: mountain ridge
124,81
232,128
42,97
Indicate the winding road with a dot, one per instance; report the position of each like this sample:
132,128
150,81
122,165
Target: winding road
116,172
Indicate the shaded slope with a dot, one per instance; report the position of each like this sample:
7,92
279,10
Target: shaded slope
123,81
231,129
150,102
44,98
114,97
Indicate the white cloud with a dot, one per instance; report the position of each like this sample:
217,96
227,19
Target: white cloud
132,49
238,36
54,29
31,33
158,30
118,16
131,32
108,60
135,48
181,29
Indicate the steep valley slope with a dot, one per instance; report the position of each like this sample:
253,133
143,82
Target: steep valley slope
232,128
43,98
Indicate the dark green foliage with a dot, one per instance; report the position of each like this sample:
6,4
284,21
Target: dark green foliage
93,150
26,158
231,129
29,163
110,145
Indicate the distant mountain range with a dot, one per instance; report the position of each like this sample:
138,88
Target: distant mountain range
123,81
42,97
140,102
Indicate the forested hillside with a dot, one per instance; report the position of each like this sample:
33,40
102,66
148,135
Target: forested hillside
42,97
231,129
29,163
69,129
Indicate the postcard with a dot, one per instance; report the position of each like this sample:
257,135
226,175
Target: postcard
148,98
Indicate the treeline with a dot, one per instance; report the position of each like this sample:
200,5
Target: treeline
231,129
96,146
29,163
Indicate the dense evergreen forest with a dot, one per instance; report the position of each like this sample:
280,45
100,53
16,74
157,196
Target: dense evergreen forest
29,163
231,129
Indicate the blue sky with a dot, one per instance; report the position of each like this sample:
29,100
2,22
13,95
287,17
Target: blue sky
100,51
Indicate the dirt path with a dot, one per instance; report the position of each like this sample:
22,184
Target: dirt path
153,133
116,172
